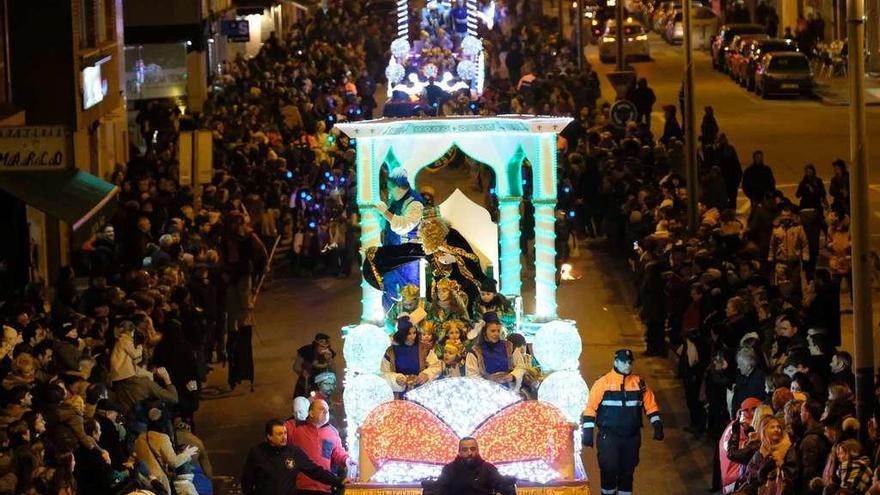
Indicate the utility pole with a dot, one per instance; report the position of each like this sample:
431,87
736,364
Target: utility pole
621,62
689,118
579,26
860,211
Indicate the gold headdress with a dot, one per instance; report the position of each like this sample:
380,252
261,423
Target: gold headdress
432,231
409,292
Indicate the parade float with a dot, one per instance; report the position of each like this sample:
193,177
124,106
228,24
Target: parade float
400,442
447,53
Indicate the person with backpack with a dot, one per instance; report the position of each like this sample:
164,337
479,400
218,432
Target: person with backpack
813,448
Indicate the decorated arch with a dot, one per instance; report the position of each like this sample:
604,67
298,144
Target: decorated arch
502,143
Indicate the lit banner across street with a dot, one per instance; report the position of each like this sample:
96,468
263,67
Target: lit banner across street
34,148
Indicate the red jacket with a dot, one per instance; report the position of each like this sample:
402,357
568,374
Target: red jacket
324,448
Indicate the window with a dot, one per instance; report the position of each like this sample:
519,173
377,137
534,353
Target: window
789,64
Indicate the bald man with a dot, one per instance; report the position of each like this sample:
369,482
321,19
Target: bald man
321,442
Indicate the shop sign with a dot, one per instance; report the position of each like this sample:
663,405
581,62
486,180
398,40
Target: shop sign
30,148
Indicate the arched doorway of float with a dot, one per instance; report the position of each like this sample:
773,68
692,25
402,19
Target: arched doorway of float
503,143
465,191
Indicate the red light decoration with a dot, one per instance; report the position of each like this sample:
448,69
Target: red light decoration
405,431
525,431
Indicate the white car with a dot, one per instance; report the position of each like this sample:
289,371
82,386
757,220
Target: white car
635,41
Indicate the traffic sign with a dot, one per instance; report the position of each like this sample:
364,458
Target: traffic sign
623,111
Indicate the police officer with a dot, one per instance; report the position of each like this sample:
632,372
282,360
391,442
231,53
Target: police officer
271,467
615,405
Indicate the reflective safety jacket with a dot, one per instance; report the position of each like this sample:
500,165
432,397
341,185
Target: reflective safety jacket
616,403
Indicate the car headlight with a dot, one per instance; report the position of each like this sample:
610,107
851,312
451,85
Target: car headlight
642,37
608,39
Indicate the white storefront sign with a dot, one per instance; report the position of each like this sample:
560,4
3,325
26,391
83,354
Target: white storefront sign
30,148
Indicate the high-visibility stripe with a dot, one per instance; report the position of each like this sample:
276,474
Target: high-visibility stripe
631,403
654,419
607,491
612,403
624,493
589,424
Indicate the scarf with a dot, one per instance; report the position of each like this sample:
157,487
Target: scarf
406,359
495,356
777,450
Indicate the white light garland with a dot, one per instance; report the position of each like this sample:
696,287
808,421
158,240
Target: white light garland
394,72
471,46
466,70
536,471
557,346
364,347
567,391
362,394
400,472
400,48
463,403
397,472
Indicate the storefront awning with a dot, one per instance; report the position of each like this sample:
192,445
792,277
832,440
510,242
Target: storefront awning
78,198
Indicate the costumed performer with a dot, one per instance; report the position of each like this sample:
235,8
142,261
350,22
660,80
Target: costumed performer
449,302
493,358
406,359
448,253
491,300
453,360
410,304
402,218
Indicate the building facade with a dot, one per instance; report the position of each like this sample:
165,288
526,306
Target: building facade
62,74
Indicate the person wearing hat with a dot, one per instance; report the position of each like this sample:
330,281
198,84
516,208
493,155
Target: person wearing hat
615,405
732,449
493,358
410,303
402,218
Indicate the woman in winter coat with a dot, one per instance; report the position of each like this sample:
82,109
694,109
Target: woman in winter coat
155,449
775,460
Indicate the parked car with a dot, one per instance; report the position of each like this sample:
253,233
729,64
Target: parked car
721,42
784,73
635,43
744,70
736,52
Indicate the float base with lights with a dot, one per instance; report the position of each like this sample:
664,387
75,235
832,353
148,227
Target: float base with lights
397,442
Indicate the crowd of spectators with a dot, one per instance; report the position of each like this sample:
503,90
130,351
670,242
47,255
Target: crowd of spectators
100,385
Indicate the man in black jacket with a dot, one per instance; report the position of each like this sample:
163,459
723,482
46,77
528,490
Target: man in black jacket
469,474
271,467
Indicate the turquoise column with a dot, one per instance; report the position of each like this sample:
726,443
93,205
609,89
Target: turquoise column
544,199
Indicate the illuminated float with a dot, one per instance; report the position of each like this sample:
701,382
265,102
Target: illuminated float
452,62
400,442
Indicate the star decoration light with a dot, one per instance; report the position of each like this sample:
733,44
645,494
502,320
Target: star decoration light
557,346
566,390
364,347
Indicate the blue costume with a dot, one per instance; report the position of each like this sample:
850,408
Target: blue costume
407,273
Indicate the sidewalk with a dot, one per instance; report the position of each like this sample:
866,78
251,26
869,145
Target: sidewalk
835,91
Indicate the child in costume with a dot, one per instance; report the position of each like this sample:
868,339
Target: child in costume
449,302
493,301
453,360
409,303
